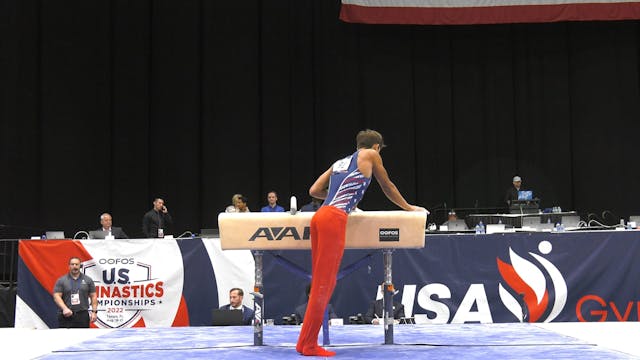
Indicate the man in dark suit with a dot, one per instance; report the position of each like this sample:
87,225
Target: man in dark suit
374,314
302,309
107,229
235,303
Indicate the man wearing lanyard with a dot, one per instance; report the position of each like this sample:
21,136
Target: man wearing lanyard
157,222
71,294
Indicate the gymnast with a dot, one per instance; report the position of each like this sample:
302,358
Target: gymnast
342,186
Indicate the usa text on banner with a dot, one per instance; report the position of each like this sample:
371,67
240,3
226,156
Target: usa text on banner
461,12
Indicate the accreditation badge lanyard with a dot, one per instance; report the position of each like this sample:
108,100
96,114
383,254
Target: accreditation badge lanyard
160,227
75,292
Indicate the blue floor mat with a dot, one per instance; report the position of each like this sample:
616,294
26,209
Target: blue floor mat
451,341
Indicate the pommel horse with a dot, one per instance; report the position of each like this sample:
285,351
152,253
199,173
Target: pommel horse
386,230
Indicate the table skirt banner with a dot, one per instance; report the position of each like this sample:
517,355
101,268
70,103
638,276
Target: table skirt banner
488,278
461,278
139,282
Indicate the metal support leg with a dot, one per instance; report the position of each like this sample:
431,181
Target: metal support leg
258,301
325,328
388,291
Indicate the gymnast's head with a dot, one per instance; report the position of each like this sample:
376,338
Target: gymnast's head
367,139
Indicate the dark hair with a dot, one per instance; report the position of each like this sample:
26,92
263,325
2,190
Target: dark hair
75,257
240,292
367,138
242,198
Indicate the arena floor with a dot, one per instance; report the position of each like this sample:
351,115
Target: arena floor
462,341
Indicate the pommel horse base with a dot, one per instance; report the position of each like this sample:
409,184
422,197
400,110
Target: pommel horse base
386,230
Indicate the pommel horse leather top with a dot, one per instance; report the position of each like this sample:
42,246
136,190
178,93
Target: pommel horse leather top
283,231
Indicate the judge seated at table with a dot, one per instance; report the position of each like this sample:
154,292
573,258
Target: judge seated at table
301,309
374,313
453,222
107,230
235,303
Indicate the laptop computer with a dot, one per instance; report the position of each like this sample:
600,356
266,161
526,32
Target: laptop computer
98,234
210,233
531,221
525,195
54,235
223,317
534,222
494,228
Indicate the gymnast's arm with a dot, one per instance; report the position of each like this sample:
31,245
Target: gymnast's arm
388,187
320,188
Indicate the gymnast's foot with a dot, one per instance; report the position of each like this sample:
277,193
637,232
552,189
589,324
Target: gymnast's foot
316,350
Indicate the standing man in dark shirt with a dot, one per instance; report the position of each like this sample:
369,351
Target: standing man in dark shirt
512,191
71,294
157,222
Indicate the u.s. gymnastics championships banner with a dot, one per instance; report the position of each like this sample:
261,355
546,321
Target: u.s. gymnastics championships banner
456,278
460,12
139,282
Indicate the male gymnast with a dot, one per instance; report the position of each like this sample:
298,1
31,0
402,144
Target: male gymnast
342,187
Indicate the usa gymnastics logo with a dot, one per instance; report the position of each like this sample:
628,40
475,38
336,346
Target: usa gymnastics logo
125,288
528,282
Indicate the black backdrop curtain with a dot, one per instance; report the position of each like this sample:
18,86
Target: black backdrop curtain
107,104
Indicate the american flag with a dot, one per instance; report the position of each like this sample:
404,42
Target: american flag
458,12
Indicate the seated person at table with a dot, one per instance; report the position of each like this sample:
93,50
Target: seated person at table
453,218
314,205
106,229
272,203
239,204
374,313
235,303
302,308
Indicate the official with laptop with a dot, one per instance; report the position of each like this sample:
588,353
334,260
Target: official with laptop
513,190
235,303
107,231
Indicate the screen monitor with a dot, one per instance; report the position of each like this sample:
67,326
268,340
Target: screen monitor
55,234
525,195
223,317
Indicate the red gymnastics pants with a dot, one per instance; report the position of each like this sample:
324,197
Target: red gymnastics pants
328,232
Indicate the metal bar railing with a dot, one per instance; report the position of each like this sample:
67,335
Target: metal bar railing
8,262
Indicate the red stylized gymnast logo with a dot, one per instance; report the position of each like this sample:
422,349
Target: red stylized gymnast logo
527,281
